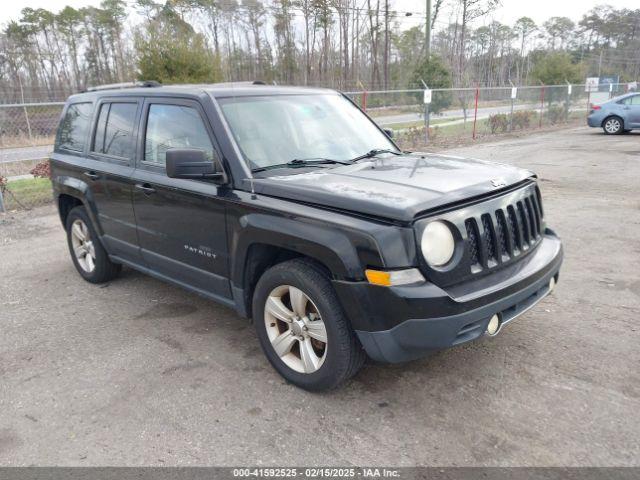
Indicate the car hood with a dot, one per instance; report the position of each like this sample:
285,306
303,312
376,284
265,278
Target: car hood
396,187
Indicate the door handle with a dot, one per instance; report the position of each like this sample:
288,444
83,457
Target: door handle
92,175
146,188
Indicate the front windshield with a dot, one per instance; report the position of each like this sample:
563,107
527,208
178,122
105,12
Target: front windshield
276,129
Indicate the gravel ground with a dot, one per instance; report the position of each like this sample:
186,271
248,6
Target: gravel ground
138,372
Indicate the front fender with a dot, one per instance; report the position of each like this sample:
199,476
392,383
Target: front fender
330,246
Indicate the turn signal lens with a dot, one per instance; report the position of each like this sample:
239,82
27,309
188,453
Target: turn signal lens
393,278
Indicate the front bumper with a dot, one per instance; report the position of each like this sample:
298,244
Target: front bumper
396,324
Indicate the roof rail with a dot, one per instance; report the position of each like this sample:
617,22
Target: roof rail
115,86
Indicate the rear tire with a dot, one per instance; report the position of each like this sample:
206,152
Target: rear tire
290,302
613,125
89,256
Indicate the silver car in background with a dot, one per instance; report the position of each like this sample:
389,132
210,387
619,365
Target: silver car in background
618,115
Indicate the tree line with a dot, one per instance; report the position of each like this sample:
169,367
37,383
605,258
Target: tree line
346,44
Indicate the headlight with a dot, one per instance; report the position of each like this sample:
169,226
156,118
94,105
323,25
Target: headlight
437,244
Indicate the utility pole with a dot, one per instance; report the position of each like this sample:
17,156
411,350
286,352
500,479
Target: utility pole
600,65
427,45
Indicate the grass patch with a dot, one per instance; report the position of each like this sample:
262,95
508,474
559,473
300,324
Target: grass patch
27,193
390,111
420,123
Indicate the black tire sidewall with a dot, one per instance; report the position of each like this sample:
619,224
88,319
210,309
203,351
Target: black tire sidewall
336,362
102,259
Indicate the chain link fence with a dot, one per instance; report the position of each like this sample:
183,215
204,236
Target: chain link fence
462,115
27,132
454,116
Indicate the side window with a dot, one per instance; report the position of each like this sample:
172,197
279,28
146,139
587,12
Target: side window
114,129
634,100
72,133
174,126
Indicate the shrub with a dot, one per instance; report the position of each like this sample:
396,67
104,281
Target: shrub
498,123
412,137
522,119
556,114
41,170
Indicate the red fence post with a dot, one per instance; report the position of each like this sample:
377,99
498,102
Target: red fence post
475,113
541,106
364,100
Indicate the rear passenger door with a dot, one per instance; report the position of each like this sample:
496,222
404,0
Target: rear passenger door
181,223
632,111
112,156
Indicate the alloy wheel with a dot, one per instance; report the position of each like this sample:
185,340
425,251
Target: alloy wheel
83,247
612,125
295,329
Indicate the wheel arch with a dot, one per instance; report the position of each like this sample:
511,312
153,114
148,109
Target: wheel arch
66,203
613,115
70,193
264,241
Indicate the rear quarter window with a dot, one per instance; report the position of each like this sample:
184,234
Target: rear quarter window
72,132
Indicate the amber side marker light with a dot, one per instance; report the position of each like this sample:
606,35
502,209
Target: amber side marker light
394,277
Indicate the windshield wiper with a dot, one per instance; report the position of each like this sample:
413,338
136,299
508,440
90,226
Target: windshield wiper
375,152
302,162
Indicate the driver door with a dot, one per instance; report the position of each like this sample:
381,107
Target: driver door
181,223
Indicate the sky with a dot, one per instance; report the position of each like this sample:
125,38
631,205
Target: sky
511,10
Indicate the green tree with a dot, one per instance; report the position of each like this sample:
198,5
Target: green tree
185,59
409,48
436,75
556,69
170,51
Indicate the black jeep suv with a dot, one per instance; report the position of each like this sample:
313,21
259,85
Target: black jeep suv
292,206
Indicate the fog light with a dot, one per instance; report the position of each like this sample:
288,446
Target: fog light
552,284
494,325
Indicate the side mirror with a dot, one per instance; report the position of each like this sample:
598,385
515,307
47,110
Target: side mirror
192,163
388,131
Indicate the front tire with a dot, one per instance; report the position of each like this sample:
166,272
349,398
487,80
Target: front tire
302,328
613,126
89,256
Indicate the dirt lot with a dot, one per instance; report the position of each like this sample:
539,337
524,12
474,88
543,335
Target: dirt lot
141,373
